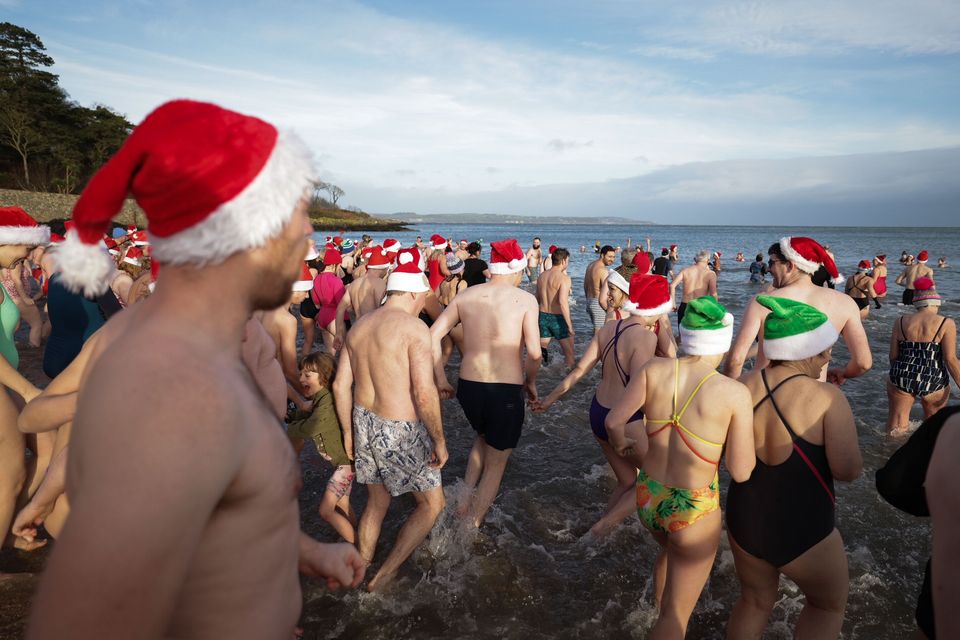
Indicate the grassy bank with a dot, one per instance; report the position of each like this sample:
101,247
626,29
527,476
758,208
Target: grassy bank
52,206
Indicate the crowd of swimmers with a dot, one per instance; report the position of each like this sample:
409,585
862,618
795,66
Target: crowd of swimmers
176,521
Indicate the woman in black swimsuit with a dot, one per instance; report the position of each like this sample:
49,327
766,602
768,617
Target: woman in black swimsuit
781,520
860,288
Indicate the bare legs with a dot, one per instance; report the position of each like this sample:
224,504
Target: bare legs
683,569
623,500
344,524
822,575
900,404
309,335
566,345
414,531
485,467
13,469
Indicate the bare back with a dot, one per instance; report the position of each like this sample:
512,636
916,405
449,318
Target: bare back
697,281
920,327
549,288
593,278
495,317
634,348
379,347
912,273
366,294
709,416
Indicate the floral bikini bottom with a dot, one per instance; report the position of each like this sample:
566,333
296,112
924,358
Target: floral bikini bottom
664,509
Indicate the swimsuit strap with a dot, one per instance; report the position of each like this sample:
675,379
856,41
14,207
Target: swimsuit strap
942,322
612,346
794,436
674,420
770,392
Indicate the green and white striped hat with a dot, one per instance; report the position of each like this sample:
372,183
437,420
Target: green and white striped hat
794,330
706,328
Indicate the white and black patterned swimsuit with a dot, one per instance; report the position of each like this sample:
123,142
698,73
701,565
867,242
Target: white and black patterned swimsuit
919,369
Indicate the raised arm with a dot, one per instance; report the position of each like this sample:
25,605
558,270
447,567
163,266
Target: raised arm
587,362
343,399
749,330
840,438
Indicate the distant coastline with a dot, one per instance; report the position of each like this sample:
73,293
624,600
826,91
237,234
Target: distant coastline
504,219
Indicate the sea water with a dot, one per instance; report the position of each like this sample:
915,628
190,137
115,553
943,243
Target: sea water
529,572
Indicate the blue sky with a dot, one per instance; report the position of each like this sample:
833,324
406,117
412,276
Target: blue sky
502,106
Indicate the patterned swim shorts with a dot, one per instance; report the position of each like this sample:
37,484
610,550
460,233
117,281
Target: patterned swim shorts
553,325
597,315
394,453
341,482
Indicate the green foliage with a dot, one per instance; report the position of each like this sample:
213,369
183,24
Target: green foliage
47,141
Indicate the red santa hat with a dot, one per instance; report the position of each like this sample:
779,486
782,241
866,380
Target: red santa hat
338,240
717,253
922,256
506,257
552,249
672,247
305,281
331,256
391,246
112,247
437,241
378,259
18,227
212,183
642,262
864,265
131,229
809,255
133,256
56,238
408,276
881,259
649,296
139,238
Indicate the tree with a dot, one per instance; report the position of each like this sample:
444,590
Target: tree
335,193
19,135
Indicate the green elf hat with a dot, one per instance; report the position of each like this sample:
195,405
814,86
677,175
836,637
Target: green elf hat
706,328
794,330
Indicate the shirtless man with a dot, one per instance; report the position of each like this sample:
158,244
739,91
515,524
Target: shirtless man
499,321
915,270
792,262
462,252
281,325
207,481
534,261
389,408
363,295
595,275
697,280
553,294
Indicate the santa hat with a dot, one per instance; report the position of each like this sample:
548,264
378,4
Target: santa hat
706,328
331,256
139,238
56,238
881,259
864,265
131,229
642,262
672,247
552,250
717,253
437,241
112,247
809,255
312,253
212,183
925,293
408,276
649,295
133,256
391,246
305,282
794,330
922,256
506,257
377,259
337,240
618,281
18,227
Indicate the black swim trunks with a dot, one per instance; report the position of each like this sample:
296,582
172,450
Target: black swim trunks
495,411
862,303
682,309
908,296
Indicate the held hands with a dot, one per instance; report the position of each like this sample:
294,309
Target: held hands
340,564
530,386
446,391
28,521
29,393
540,406
337,343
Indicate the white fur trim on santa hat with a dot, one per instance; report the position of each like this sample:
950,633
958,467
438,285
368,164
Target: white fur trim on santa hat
707,342
32,236
255,215
802,345
807,266
412,282
132,261
86,268
634,310
507,268
303,285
